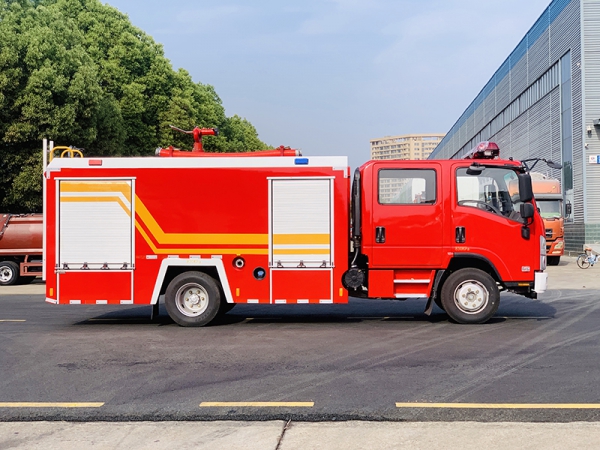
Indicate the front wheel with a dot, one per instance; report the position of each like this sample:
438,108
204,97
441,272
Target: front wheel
470,296
193,299
583,261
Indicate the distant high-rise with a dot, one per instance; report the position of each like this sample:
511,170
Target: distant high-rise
406,146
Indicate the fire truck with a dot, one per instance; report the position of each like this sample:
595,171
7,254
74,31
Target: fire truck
204,232
549,200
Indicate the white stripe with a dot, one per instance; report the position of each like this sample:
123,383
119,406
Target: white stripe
325,300
339,162
253,300
75,302
412,281
303,300
126,302
412,296
280,301
101,302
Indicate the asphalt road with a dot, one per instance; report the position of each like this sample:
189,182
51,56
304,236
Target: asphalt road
366,360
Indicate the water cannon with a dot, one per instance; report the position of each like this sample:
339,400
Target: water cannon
198,133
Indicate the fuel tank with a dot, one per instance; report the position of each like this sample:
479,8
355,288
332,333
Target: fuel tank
20,233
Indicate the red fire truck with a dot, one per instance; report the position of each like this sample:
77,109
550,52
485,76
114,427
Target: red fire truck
209,231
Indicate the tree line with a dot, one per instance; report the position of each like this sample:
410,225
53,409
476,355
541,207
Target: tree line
78,72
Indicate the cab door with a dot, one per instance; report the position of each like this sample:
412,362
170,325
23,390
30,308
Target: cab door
407,216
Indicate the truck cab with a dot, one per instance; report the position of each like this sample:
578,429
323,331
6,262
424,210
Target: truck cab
456,232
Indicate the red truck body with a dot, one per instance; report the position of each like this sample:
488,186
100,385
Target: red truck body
210,232
20,247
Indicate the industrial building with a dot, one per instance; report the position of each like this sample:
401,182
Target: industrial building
544,102
406,146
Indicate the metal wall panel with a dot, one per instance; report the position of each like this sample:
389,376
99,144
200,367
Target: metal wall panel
518,78
591,64
539,57
540,131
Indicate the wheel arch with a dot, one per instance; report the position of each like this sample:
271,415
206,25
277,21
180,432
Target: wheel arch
171,267
471,261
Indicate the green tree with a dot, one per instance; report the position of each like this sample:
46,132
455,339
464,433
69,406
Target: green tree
78,72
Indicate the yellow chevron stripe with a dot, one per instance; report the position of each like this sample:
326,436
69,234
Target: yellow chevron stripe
97,199
95,186
197,251
195,238
301,239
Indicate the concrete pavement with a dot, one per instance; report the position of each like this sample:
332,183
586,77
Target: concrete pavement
279,435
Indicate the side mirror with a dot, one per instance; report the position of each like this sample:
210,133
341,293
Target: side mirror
527,210
525,188
568,209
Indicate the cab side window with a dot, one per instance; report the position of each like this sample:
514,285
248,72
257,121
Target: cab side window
407,186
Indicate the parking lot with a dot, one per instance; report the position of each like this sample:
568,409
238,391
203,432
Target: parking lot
367,361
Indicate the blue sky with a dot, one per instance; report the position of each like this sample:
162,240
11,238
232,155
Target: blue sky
326,76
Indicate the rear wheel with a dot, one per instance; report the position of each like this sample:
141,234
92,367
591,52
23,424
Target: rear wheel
582,261
9,273
470,296
193,299
553,260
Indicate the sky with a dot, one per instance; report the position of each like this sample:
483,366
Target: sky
327,76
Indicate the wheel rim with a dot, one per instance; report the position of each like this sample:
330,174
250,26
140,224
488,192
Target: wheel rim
191,299
6,274
471,296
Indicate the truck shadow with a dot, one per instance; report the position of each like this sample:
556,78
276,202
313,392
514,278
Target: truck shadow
512,307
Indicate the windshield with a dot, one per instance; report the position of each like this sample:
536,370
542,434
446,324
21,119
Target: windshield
492,189
550,209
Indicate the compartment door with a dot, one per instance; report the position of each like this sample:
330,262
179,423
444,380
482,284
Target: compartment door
301,240
95,241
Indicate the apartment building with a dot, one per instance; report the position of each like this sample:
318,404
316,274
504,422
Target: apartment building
407,146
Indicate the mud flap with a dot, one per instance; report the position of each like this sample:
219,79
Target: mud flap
432,297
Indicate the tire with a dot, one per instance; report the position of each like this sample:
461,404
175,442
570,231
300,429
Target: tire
553,260
470,296
193,299
582,261
9,273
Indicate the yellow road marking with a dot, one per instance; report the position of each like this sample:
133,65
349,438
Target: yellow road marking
12,320
49,405
260,404
502,405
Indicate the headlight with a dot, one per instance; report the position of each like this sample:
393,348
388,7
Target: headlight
542,253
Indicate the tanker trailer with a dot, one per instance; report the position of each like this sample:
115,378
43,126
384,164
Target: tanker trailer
21,237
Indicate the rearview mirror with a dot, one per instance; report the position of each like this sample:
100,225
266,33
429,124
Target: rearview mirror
527,210
525,188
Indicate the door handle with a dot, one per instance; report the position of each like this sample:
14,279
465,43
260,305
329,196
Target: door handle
380,235
460,236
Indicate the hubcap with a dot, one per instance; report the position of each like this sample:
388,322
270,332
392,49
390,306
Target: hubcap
6,274
192,299
471,296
